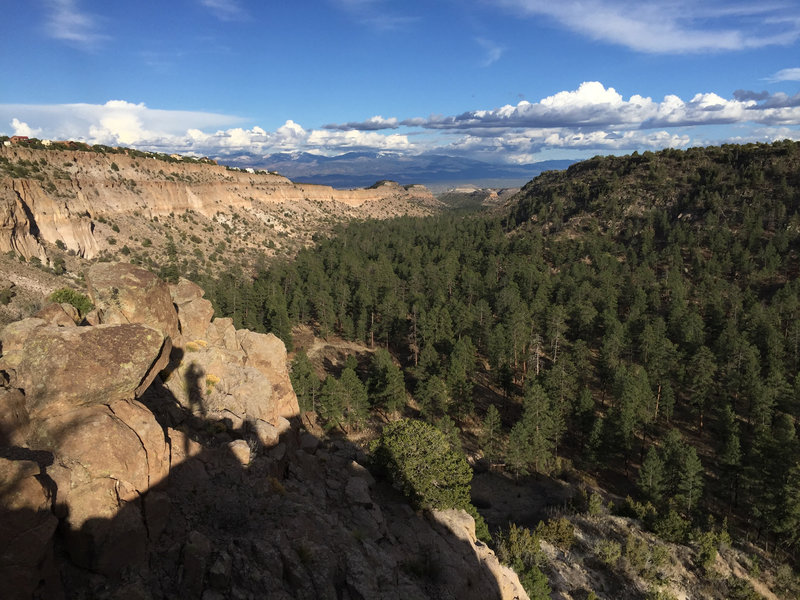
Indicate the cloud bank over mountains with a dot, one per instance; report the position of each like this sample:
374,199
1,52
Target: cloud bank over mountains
591,118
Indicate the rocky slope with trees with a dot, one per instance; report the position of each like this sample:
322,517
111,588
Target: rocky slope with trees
628,327
148,451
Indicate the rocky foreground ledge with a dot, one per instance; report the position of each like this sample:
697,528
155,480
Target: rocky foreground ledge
153,452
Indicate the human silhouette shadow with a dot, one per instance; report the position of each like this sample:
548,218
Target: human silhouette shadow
302,518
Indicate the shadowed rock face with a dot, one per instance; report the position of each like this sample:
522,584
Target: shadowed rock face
27,525
202,489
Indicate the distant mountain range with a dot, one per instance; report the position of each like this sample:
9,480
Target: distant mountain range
360,169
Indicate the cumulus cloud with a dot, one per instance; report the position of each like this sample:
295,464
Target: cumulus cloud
68,23
745,95
591,117
375,123
669,26
115,122
357,140
522,146
594,107
21,128
122,123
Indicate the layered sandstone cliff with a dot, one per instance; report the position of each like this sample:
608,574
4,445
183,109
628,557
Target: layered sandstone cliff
56,196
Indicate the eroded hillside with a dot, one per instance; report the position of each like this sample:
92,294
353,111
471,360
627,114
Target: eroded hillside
188,214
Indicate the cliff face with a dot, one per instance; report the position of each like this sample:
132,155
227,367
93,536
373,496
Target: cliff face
56,196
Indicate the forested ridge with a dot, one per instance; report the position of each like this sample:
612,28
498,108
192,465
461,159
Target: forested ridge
636,315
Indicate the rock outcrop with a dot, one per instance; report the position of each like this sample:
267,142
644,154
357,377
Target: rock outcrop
63,368
129,294
27,525
18,230
187,479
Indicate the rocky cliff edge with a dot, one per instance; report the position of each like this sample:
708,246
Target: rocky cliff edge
155,452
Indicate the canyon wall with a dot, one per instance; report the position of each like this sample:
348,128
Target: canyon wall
55,196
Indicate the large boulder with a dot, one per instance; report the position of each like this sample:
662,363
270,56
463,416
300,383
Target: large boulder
458,529
14,419
129,294
210,379
60,368
194,312
222,333
63,314
267,353
106,458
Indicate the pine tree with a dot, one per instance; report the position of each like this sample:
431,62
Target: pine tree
433,397
540,425
518,452
651,476
305,382
356,401
332,402
690,485
386,385
490,433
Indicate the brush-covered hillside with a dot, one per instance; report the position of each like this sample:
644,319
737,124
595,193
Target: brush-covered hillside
624,332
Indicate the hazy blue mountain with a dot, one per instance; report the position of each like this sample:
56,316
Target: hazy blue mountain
360,169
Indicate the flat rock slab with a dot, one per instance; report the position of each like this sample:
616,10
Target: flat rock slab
61,368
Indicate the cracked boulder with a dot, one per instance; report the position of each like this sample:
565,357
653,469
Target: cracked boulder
105,459
61,368
72,395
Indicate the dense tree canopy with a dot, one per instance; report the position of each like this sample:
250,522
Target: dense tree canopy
639,311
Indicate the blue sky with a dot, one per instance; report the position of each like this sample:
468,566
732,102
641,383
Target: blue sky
502,80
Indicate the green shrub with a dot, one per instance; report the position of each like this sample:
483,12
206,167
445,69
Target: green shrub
708,542
70,296
559,532
595,508
6,295
419,460
519,548
609,552
671,527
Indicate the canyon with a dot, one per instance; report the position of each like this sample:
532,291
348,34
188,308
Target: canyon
83,202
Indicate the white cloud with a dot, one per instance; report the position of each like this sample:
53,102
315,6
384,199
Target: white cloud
21,128
225,10
792,74
595,107
121,123
66,22
670,26
493,51
591,117
357,140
